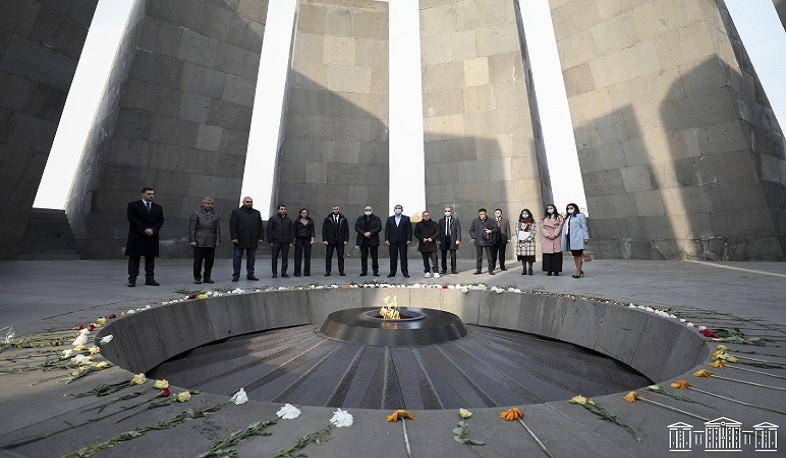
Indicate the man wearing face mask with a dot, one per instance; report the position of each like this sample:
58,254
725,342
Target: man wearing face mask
449,239
280,234
483,231
398,236
368,226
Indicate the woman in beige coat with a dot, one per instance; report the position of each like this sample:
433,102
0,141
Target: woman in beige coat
550,230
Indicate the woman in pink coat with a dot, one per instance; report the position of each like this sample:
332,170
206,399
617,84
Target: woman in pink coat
550,230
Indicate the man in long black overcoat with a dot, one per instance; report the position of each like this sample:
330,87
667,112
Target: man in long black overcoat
145,219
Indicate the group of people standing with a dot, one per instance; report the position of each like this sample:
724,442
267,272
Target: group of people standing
490,236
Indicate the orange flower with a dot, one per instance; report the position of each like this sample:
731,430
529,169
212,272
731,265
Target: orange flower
703,373
681,384
400,414
718,363
514,413
632,396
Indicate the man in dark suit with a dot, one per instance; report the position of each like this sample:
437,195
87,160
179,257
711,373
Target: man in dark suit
501,243
145,219
449,239
245,229
484,233
398,236
368,226
335,234
280,236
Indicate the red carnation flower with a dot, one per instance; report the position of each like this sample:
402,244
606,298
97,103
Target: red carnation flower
708,333
90,327
192,296
165,392
79,327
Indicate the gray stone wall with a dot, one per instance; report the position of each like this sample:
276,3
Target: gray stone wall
335,145
40,45
780,7
664,114
482,142
175,115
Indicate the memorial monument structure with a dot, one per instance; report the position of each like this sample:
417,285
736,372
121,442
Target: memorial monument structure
680,153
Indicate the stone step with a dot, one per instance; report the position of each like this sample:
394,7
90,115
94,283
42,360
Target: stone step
48,236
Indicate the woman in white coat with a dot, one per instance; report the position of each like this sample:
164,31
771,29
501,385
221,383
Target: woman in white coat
575,236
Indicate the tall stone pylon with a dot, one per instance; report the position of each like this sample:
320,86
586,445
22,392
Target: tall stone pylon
40,45
681,155
175,115
483,147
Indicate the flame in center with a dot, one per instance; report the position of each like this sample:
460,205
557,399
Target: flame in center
390,310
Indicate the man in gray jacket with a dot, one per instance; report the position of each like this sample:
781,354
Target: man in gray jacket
245,228
204,233
484,232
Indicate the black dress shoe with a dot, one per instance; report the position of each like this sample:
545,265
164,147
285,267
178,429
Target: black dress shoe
376,274
556,274
477,272
131,283
307,274
235,279
362,274
390,275
444,272
284,276
152,282
253,278
454,272
275,275
327,274
342,274
548,274
297,275
491,272
208,280
197,282
406,275
502,268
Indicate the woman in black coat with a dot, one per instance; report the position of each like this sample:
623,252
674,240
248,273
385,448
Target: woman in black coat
427,231
303,227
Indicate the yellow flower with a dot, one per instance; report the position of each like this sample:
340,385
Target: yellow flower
139,379
79,348
718,363
632,396
96,325
94,349
653,387
722,348
160,384
202,296
726,357
580,400
184,396
514,413
400,414
681,384
464,413
703,373
122,313
717,353
102,365
101,321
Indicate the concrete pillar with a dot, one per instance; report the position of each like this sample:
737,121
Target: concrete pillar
482,141
175,115
780,7
335,147
681,155
40,45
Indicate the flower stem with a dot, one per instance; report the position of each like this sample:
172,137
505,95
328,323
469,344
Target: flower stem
537,441
406,437
738,402
749,383
673,409
754,371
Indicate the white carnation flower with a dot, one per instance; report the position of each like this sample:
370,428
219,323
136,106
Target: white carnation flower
341,418
80,340
288,412
106,339
240,397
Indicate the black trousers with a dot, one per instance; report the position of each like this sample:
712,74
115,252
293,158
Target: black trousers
479,257
339,248
445,260
283,249
398,250
430,261
302,253
133,266
206,254
498,253
364,251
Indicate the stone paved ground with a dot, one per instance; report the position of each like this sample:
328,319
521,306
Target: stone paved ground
37,296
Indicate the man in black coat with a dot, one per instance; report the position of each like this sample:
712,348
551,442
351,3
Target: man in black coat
449,239
145,219
245,229
398,236
280,234
484,232
368,226
427,232
335,234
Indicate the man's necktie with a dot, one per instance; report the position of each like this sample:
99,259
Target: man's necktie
147,204
447,226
